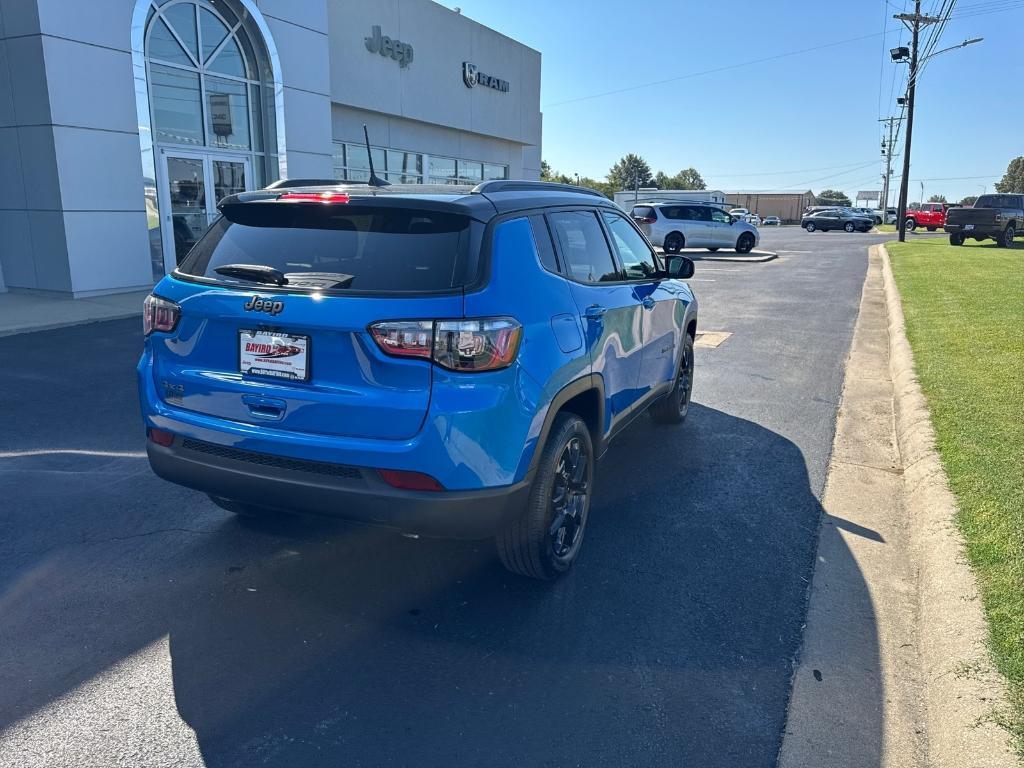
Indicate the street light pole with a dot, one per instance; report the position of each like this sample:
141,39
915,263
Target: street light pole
901,212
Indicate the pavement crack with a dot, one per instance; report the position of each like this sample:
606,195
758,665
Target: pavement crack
144,534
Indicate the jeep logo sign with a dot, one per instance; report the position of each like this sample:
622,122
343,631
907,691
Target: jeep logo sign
259,304
385,46
472,76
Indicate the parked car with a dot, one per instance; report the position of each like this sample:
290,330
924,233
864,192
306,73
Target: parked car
772,221
674,226
442,361
932,216
872,213
739,213
891,215
837,219
999,217
812,209
753,218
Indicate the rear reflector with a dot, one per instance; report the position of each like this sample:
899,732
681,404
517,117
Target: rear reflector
316,197
409,481
160,437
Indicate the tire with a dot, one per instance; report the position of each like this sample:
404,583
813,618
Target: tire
674,242
745,243
713,250
932,229
529,547
1005,239
672,408
956,239
810,226
243,510
850,227
910,225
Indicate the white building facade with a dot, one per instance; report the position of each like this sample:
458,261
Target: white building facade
122,122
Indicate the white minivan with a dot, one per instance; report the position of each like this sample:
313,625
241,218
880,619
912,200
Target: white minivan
675,226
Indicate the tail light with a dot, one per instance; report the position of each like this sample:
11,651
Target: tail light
159,315
487,344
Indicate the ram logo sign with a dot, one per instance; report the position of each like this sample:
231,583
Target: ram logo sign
472,76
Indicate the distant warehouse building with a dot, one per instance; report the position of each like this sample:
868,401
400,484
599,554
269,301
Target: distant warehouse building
786,204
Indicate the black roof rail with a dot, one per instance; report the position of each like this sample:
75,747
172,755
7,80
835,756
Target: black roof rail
500,185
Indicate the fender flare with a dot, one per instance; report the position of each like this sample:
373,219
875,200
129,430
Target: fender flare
590,381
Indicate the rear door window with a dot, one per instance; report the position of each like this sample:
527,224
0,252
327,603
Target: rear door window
644,212
583,247
636,257
382,249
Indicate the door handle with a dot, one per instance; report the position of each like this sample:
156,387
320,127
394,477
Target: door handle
595,311
648,303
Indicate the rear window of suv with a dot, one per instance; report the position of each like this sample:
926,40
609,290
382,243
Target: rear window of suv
382,249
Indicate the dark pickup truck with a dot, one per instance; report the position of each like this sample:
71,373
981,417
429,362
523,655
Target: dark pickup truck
999,217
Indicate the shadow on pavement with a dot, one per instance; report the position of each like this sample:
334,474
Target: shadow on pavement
315,643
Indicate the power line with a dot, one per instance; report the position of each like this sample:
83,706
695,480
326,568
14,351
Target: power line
786,173
652,83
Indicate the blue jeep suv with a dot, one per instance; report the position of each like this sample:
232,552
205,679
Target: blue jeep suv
444,361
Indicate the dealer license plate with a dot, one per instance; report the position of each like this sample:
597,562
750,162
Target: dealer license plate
273,354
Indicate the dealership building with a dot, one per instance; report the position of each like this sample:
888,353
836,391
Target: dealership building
122,122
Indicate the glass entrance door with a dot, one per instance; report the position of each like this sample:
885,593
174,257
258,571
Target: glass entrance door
192,184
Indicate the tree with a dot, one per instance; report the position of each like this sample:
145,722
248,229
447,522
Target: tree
968,201
688,178
632,170
547,174
545,170
938,199
1013,179
603,187
833,197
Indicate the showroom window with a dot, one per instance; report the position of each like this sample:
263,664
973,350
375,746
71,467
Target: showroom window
207,84
401,167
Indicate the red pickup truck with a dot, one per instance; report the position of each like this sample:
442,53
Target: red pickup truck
932,216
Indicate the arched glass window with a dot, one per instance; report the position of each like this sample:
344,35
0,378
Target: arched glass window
209,81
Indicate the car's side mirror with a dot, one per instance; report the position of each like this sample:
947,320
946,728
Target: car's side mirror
680,268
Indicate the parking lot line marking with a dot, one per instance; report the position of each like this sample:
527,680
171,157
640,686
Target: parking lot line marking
711,339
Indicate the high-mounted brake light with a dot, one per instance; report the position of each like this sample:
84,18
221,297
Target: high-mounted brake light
484,344
159,315
316,197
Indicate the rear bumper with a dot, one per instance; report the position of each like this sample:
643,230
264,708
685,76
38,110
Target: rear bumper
350,493
978,230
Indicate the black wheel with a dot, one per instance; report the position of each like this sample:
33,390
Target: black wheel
674,242
811,226
672,409
932,229
745,243
910,225
713,249
849,226
545,540
1005,240
243,510
956,239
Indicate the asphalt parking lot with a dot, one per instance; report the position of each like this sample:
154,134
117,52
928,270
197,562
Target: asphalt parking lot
140,625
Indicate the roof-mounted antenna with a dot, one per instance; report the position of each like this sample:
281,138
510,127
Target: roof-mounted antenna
375,181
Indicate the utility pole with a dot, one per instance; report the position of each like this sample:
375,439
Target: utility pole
914,22
888,163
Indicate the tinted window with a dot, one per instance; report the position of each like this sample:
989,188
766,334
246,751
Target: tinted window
673,212
644,212
720,216
636,257
582,246
383,249
544,247
699,213
998,201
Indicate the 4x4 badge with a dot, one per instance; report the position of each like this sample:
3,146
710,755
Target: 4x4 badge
259,304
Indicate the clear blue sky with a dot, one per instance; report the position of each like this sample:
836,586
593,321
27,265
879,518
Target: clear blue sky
805,114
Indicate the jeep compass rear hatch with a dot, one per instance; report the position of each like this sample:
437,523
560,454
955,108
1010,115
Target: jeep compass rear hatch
276,300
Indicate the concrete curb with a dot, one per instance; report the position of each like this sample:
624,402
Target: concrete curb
17,330
962,692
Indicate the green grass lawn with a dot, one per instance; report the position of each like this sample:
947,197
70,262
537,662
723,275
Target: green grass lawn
885,227
964,309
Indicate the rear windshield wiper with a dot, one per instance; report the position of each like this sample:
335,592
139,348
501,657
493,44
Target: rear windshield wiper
257,273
